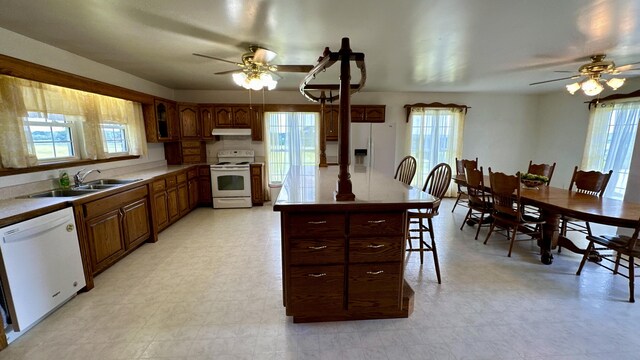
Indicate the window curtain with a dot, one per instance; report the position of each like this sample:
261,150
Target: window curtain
434,136
610,141
87,110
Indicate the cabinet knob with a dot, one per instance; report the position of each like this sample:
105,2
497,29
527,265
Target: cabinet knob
375,272
319,247
317,275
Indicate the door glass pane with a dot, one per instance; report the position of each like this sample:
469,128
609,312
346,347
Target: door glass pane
230,182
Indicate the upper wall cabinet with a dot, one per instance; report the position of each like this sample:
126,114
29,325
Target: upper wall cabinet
189,124
331,117
161,121
232,116
206,118
367,113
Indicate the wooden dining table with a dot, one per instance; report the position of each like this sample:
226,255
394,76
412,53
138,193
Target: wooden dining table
555,202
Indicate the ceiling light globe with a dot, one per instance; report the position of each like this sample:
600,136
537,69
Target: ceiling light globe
239,78
593,90
590,85
615,83
572,88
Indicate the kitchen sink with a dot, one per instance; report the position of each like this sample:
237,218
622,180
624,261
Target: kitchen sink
96,186
62,193
111,182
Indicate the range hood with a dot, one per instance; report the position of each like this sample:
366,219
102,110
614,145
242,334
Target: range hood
232,132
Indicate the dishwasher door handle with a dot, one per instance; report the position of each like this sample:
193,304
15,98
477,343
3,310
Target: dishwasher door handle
16,235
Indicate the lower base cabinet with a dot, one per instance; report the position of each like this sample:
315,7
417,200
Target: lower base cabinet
105,237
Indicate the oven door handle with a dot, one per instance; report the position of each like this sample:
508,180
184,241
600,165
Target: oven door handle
229,169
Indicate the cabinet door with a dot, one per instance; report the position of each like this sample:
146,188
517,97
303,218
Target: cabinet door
161,109
257,190
241,117
223,117
375,286
189,125
106,243
161,210
172,204
331,123
316,290
204,185
136,223
357,113
257,123
206,118
374,113
172,118
183,198
193,193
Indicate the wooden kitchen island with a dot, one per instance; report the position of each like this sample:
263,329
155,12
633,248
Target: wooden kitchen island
344,260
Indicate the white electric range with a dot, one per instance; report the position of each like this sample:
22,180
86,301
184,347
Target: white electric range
231,179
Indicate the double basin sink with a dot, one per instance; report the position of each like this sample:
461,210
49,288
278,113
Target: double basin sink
85,189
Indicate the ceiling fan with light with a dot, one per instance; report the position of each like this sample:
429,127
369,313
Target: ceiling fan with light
255,70
592,75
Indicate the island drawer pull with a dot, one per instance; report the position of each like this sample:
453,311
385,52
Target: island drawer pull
373,246
375,272
317,275
317,222
318,247
376,221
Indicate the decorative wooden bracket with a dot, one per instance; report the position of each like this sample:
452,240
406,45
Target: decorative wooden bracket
434,105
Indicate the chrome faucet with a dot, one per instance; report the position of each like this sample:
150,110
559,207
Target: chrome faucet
78,178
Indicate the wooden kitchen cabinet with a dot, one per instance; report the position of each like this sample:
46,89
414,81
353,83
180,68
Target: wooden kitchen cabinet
192,186
344,265
257,187
204,186
172,199
160,204
183,193
114,226
207,121
185,152
160,120
232,116
257,123
331,120
368,113
188,120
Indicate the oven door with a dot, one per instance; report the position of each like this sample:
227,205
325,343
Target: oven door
230,183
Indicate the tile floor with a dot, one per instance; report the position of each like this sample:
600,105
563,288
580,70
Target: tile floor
211,289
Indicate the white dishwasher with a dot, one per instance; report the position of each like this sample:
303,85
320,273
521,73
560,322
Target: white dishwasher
42,268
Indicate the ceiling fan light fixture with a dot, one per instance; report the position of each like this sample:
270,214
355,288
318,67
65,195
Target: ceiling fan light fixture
572,88
615,83
592,87
255,80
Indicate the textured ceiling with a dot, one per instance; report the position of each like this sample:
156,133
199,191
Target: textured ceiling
409,45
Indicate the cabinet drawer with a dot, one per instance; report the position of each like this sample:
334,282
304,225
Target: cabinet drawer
204,171
316,251
171,181
316,290
191,144
191,159
192,173
115,201
182,177
376,249
316,224
190,151
256,170
375,286
390,223
158,185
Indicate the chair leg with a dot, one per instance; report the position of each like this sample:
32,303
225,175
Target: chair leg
479,225
493,224
456,203
421,232
466,218
585,256
513,240
617,266
631,278
586,224
435,251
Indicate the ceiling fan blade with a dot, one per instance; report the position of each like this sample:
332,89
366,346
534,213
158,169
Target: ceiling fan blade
564,71
627,67
219,59
227,72
294,68
263,56
547,81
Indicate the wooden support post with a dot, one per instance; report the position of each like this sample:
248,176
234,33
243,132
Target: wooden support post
323,140
344,190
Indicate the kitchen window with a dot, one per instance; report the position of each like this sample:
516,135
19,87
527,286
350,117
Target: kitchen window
52,136
292,140
114,139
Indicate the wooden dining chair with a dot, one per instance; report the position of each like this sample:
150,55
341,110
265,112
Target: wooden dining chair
406,170
542,169
436,184
584,182
622,252
463,198
479,199
507,209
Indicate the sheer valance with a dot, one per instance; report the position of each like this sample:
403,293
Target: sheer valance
88,111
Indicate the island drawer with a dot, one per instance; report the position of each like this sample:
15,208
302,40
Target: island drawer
317,289
316,251
375,286
376,249
316,224
374,223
